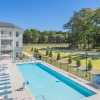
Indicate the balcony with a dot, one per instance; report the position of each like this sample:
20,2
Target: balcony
6,36
6,47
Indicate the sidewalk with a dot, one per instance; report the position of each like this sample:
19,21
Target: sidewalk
27,54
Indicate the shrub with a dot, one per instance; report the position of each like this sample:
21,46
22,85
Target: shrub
90,64
32,49
35,54
78,62
50,54
23,56
35,50
20,57
58,56
70,58
47,52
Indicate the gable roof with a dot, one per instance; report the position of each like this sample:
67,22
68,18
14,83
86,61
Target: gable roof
9,25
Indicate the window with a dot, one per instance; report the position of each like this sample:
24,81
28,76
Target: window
17,44
1,32
17,34
1,42
10,34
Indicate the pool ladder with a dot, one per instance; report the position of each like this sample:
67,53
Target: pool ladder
40,96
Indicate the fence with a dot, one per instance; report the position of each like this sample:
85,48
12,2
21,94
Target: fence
66,67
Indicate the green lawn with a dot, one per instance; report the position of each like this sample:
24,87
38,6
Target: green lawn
64,55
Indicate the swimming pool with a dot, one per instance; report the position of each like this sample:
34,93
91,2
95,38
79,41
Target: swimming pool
50,84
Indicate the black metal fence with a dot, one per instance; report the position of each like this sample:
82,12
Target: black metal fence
76,71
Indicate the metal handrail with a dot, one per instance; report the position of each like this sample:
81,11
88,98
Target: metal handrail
41,96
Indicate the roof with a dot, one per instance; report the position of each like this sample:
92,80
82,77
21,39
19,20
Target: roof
9,25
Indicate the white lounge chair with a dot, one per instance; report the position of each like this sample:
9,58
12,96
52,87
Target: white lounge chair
1,98
4,86
22,59
30,59
3,91
27,59
4,97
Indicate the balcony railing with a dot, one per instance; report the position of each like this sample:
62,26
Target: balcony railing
6,47
6,36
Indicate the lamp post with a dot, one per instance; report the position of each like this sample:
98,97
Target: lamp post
86,63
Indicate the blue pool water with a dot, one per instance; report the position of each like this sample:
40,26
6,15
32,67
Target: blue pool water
52,85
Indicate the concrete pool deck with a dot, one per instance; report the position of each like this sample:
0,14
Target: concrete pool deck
17,80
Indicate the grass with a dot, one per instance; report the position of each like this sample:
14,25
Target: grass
64,55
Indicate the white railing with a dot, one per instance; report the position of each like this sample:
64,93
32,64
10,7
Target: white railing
6,36
6,47
4,56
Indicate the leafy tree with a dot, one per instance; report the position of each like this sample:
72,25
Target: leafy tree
81,28
50,54
32,49
58,56
47,52
90,66
78,62
70,58
34,35
27,36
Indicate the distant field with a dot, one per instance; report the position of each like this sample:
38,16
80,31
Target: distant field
64,55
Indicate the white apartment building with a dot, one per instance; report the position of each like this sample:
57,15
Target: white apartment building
11,40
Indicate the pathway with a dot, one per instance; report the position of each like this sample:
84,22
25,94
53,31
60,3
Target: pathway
27,54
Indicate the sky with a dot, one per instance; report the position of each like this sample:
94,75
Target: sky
42,14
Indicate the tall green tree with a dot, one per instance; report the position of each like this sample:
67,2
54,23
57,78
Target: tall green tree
58,56
90,66
70,58
50,54
80,27
78,62
34,35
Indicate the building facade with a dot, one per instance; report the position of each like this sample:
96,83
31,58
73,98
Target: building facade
11,40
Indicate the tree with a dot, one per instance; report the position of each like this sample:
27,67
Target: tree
47,52
78,62
35,35
90,64
50,54
70,58
27,36
20,57
37,51
80,26
32,49
58,56
23,56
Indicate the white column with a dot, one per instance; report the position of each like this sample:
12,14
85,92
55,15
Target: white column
0,43
13,45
